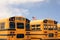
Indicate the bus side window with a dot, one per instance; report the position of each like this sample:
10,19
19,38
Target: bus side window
33,27
2,26
55,27
58,28
38,27
45,26
12,25
50,27
27,27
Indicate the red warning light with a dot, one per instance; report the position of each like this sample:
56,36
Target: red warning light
45,31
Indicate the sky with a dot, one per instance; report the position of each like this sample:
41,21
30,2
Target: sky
41,9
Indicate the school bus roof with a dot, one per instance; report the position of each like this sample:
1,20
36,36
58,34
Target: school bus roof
41,20
36,21
3,20
19,16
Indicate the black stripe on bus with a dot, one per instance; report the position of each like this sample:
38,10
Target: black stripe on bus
36,38
36,34
7,34
8,29
46,38
3,39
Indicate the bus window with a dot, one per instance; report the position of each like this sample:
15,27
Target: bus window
50,27
45,27
2,25
18,18
20,35
33,27
27,27
20,25
12,25
58,28
38,27
55,27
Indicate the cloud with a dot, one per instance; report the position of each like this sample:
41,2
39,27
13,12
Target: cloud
23,1
6,11
19,12
18,1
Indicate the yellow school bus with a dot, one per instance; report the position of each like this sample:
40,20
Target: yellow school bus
43,29
14,28
58,30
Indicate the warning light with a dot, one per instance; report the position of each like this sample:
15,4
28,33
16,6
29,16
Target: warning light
45,31
12,19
